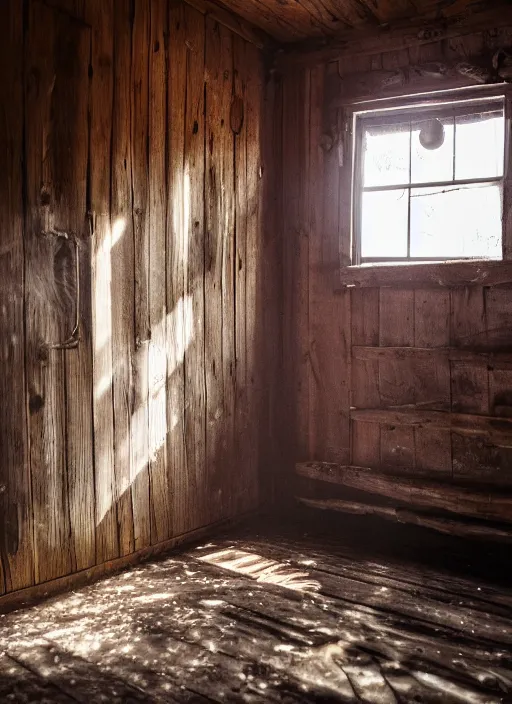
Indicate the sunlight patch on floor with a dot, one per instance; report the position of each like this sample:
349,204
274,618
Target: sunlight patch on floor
262,569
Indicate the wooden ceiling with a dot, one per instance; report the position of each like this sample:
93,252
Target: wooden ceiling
296,20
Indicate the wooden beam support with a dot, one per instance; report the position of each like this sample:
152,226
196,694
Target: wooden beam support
488,505
399,35
233,22
496,360
447,526
437,274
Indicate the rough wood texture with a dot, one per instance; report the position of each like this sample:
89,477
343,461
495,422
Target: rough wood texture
58,380
494,505
400,515
293,20
16,528
411,34
441,331
498,429
449,274
105,444
265,616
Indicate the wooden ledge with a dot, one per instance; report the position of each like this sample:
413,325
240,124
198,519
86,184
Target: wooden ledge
448,526
454,274
479,503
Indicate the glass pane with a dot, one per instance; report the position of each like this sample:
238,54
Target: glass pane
458,221
384,224
479,146
386,155
436,164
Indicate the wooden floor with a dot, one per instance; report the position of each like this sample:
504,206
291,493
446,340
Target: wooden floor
353,611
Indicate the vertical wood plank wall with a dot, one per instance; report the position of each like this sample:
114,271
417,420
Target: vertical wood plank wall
118,131
323,328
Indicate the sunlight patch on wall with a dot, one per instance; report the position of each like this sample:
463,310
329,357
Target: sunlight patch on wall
118,230
143,447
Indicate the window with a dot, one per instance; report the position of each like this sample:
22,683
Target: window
429,182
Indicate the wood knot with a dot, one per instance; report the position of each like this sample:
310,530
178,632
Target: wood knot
237,112
35,404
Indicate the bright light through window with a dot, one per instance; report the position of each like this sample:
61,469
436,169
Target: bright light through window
429,182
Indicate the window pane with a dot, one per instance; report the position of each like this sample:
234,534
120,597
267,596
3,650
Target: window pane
384,224
386,155
456,221
479,146
436,164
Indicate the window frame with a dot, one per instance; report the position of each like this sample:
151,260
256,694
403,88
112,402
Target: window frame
440,103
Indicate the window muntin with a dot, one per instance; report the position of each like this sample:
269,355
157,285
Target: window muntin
412,203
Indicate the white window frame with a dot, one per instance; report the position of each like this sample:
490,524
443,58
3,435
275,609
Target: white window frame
387,111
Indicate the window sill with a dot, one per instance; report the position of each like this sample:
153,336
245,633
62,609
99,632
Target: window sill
456,273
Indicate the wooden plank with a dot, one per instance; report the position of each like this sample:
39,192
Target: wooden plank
497,429
396,318
290,229
176,253
499,360
100,15
365,375
81,680
397,382
272,482
243,298
269,416
442,525
255,271
140,482
431,318
439,274
498,309
219,328
235,23
478,461
227,214
48,81
469,388
72,161
480,502
468,318
157,371
19,684
16,545
122,282
329,315
190,498
300,244
319,388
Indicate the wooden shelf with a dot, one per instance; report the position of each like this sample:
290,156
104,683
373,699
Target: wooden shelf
440,524
478,502
433,274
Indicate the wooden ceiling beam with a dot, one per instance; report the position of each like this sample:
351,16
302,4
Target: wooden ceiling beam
401,34
234,22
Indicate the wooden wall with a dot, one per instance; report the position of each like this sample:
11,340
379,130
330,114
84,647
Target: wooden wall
334,335
136,130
